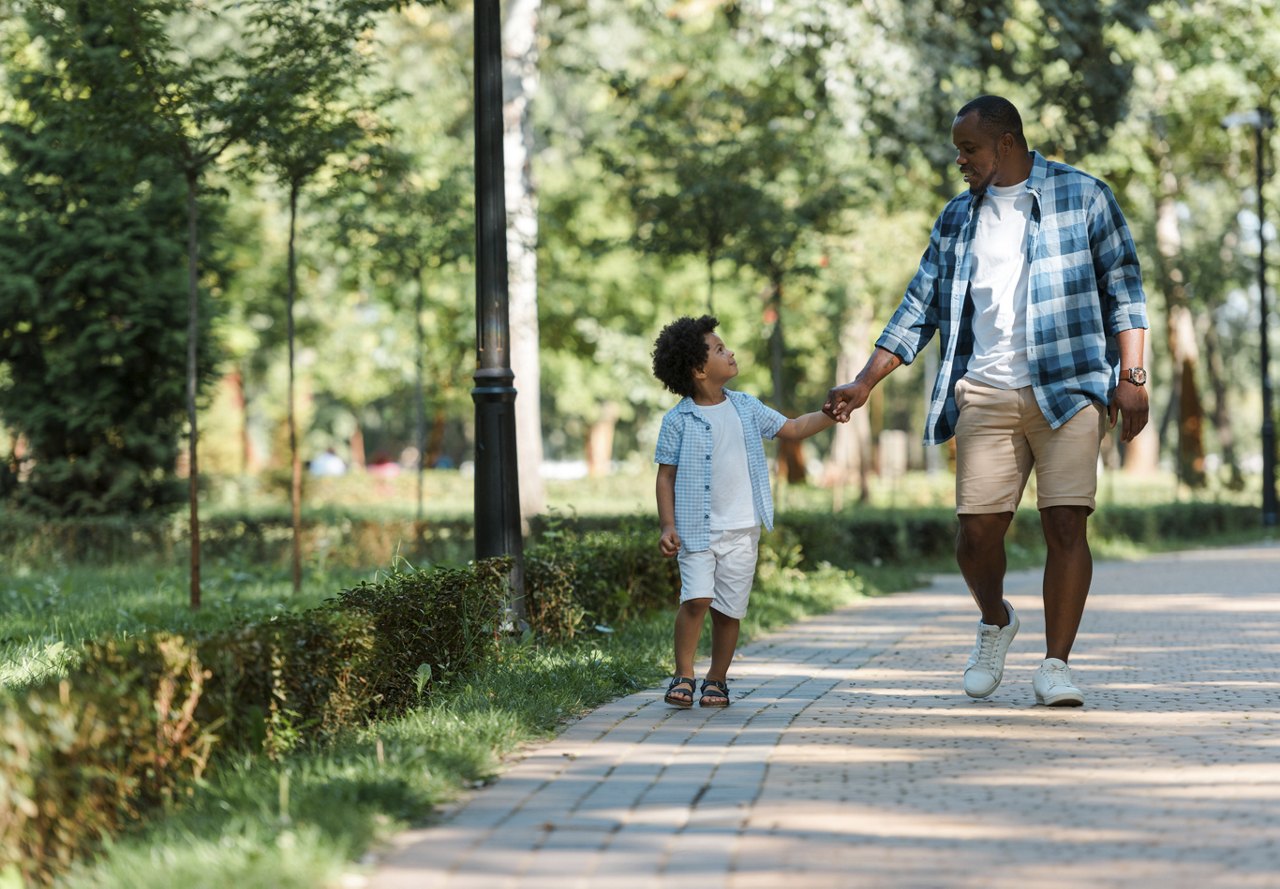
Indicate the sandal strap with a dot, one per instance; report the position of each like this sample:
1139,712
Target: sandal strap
679,680
716,685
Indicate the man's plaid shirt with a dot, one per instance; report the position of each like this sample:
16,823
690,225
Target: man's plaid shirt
1085,287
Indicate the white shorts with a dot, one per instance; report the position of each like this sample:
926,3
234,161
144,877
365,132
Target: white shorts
724,572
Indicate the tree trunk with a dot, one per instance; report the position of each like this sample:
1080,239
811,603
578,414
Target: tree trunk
791,466
420,392
435,443
193,377
235,380
358,459
1181,329
1221,408
850,458
520,77
600,440
295,459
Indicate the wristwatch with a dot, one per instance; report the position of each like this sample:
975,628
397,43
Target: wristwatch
1135,375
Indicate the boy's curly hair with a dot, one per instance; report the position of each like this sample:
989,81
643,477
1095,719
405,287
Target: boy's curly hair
681,349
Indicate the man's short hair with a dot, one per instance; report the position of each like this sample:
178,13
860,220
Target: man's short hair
681,349
997,116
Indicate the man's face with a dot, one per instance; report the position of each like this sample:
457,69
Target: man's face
979,155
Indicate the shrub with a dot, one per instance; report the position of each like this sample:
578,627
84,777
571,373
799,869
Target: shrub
291,679
610,576
82,757
552,608
429,625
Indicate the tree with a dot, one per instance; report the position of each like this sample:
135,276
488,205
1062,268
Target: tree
92,245
520,76
317,68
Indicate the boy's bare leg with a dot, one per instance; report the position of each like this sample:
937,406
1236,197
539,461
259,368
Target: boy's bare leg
689,620
724,642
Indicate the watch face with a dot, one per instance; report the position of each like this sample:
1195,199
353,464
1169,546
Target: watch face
1137,376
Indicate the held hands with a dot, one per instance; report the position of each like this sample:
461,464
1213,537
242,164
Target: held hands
669,543
1131,402
842,401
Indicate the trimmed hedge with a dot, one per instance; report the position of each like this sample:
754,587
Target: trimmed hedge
334,538
598,577
83,757
140,720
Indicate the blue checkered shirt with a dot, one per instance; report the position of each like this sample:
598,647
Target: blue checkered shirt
1085,287
684,441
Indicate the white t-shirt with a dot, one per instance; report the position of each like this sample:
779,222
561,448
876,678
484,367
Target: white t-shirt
732,507
998,287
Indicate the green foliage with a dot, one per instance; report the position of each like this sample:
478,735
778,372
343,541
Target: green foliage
597,578
289,680
92,335
352,541
84,757
448,619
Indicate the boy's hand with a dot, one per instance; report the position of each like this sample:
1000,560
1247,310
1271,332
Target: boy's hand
842,401
669,543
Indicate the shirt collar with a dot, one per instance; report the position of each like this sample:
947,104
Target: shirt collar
687,405
1034,182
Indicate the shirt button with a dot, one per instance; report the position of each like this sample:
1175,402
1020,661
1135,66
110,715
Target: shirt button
708,488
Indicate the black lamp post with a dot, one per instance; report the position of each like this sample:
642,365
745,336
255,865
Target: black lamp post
497,491
1261,121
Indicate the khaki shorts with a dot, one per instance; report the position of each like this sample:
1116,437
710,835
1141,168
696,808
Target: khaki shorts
1001,435
723,573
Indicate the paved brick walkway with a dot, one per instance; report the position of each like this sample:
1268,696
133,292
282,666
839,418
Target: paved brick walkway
851,758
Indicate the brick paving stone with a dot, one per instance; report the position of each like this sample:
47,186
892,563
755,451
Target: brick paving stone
851,757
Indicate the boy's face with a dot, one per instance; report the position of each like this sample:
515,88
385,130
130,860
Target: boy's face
720,366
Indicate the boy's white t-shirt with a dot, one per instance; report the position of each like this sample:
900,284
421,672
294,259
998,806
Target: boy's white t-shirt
998,287
732,507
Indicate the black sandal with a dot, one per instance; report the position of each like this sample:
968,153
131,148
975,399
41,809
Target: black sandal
681,702
718,690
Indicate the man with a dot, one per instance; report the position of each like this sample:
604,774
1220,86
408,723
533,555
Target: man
1032,280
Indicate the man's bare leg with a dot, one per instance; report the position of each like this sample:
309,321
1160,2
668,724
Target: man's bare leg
1068,573
981,557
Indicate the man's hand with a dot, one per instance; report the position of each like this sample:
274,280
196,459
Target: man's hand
669,543
842,401
1130,401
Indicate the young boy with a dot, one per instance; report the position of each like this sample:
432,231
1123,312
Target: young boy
713,494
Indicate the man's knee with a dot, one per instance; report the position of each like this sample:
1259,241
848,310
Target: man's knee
981,531
1064,526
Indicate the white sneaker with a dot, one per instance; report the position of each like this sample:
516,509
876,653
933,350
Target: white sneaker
985,669
1054,687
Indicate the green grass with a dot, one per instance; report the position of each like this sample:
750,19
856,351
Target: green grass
305,820
45,614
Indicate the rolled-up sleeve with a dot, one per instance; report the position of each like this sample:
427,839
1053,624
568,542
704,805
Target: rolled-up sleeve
1116,265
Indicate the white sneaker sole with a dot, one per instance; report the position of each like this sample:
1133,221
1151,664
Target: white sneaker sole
1061,699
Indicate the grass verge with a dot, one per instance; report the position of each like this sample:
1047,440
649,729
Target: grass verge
310,819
